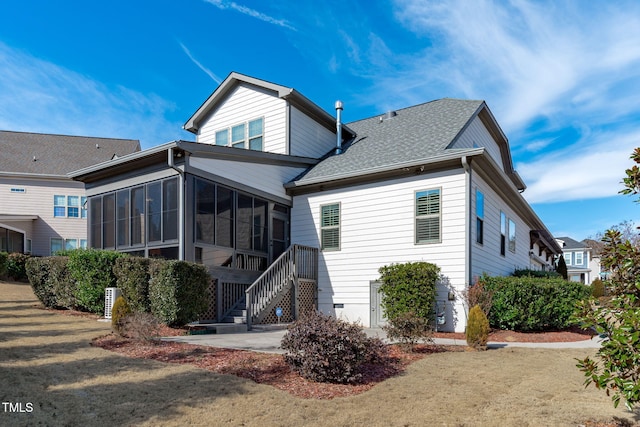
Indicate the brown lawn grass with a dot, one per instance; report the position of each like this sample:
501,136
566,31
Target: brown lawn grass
46,359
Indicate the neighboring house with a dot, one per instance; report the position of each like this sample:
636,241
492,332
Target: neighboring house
581,265
279,197
42,210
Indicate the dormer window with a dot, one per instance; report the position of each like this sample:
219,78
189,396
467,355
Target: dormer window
248,135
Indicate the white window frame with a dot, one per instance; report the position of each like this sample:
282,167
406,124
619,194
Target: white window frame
330,227
429,215
567,258
60,243
579,258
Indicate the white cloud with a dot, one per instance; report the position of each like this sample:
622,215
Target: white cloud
585,170
38,96
221,4
207,71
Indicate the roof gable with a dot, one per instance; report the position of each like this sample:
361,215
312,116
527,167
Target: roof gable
47,154
289,94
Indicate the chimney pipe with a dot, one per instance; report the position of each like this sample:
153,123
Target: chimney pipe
339,126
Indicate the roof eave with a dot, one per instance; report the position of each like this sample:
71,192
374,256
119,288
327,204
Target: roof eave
383,171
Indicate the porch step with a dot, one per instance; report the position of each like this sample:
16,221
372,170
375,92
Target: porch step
232,319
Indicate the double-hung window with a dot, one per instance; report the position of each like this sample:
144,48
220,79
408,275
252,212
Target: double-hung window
330,227
59,206
428,221
579,258
567,258
479,216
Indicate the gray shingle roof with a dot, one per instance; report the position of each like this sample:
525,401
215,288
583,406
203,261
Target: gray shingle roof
569,243
414,133
57,154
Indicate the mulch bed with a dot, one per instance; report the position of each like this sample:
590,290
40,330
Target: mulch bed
568,335
267,368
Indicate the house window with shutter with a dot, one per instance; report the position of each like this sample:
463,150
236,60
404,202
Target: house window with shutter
330,227
428,220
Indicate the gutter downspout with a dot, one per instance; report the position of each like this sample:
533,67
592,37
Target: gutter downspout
466,165
181,203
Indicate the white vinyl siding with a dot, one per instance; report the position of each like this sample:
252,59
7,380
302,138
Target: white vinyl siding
242,105
488,257
309,138
377,224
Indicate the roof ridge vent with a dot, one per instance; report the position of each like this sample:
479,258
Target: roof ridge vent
390,114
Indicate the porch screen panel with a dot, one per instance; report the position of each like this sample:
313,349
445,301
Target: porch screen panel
137,216
170,209
224,216
95,232
154,211
244,221
205,211
428,216
260,217
123,217
109,221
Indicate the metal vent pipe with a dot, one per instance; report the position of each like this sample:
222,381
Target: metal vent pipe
339,127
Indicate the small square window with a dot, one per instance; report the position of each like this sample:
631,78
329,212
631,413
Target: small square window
222,137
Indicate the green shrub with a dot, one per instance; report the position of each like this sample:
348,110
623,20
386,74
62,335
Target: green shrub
92,271
409,287
16,266
525,272
3,263
325,349
177,291
477,333
532,304
408,329
119,312
132,278
37,270
597,288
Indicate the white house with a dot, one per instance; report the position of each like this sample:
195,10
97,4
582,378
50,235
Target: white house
294,209
582,265
42,210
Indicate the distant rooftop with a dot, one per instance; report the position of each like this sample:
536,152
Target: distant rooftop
48,154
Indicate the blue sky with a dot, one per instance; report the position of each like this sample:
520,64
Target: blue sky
561,77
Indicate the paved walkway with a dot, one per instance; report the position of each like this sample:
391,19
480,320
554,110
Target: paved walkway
269,341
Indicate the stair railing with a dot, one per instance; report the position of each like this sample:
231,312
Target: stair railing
297,261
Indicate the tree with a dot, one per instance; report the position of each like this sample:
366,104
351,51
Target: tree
561,268
616,366
628,230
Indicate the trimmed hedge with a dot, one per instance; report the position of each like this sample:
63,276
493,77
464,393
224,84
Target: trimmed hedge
525,272
132,277
92,271
533,304
177,291
38,270
51,281
409,288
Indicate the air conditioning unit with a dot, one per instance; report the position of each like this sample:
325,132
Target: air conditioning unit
110,296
